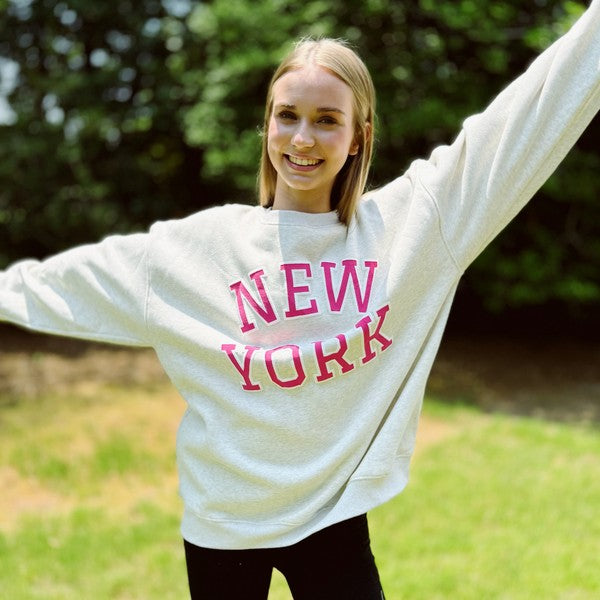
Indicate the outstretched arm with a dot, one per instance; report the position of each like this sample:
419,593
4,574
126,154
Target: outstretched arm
96,292
502,156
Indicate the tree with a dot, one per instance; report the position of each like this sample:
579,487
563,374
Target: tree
96,145
130,112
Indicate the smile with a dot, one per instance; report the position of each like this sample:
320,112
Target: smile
303,162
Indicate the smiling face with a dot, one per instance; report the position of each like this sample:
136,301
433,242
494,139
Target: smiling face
311,133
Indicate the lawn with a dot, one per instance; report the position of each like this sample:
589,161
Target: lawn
498,506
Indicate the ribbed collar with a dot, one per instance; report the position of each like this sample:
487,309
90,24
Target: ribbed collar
302,219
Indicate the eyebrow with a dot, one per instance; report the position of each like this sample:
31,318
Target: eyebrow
323,109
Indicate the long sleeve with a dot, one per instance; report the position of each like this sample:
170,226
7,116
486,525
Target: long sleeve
502,156
96,292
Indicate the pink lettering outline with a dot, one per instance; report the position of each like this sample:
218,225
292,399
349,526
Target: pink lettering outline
362,301
299,380
265,312
292,290
338,356
244,371
368,336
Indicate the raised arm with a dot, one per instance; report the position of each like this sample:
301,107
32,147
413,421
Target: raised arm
502,156
96,292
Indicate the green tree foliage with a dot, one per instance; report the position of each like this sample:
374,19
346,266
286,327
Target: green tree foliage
97,143
126,112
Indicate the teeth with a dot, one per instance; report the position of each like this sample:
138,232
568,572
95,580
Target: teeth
303,162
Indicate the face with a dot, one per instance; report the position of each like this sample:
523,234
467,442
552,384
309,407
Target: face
310,136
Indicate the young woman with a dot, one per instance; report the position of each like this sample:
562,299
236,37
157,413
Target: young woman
301,332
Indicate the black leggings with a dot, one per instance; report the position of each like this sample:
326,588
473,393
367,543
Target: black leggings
333,564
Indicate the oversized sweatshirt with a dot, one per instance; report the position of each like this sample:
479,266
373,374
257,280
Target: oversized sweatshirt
301,346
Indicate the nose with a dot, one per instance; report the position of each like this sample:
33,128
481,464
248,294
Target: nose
303,136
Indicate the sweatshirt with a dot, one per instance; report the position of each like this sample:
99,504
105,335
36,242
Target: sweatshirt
301,346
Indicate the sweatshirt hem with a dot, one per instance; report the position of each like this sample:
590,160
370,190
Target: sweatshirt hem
361,495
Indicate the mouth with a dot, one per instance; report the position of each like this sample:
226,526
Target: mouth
302,164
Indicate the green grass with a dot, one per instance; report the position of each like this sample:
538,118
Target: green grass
497,507
506,509
89,555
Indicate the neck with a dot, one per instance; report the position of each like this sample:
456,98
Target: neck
309,201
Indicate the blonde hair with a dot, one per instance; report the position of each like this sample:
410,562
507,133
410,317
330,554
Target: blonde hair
344,63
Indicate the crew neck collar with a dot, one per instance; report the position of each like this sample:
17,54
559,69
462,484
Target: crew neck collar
294,217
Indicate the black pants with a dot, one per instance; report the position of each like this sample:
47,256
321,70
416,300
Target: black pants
333,564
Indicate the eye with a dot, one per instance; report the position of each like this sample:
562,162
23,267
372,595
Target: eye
328,120
286,115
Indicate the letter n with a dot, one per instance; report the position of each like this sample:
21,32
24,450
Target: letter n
263,307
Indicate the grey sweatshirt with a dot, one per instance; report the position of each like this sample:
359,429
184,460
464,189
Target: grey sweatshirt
302,347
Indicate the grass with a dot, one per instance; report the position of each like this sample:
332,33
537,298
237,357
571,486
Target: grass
503,508
498,506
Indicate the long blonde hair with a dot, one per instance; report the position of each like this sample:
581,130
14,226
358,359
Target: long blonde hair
344,63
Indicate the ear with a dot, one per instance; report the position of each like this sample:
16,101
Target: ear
356,145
